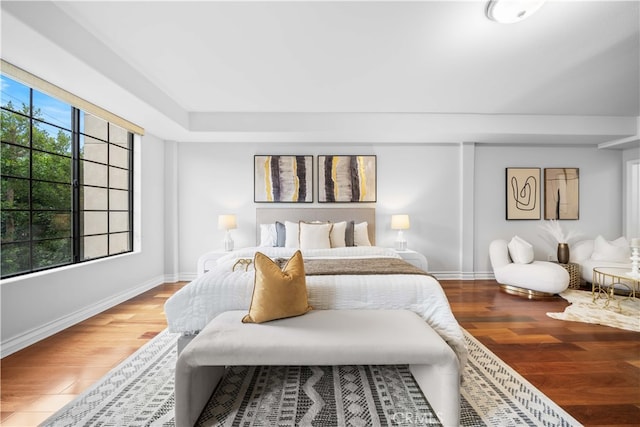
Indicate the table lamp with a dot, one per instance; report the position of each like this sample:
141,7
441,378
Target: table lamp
227,223
635,257
400,222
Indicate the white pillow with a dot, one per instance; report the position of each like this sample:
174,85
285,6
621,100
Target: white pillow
291,235
615,251
315,236
268,236
361,234
581,251
520,250
337,235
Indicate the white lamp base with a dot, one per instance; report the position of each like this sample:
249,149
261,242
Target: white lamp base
228,242
401,242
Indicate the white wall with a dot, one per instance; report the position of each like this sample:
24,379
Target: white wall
600,195
425,181
184,186
631,192
421,180
40,304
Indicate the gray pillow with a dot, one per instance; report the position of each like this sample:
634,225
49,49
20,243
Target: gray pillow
348,234
281,234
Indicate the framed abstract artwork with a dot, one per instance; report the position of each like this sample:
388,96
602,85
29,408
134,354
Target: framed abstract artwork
561,193
523,193
283,179
346,179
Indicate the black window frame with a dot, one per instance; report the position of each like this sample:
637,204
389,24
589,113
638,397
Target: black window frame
75,182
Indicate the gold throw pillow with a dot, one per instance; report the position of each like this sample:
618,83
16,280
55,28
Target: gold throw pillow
278,293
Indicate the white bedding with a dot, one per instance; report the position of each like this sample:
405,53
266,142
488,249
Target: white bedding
221,289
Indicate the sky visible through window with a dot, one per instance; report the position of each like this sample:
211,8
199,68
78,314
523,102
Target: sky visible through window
51,110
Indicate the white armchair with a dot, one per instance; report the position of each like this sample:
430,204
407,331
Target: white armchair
536,279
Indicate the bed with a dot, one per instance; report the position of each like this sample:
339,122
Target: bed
228,285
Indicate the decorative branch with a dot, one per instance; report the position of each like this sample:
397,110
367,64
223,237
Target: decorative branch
555,234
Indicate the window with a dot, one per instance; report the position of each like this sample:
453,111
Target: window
67,183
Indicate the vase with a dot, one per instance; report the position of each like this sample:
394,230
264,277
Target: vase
563,253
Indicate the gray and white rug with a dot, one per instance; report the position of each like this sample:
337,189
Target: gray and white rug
139,392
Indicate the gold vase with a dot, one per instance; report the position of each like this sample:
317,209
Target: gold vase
563,253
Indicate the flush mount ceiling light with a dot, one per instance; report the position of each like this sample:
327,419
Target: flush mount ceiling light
510,11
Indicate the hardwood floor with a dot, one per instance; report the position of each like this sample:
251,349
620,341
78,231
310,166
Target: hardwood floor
42,378
592,371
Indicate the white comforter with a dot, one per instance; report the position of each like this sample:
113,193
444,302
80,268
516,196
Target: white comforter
222,289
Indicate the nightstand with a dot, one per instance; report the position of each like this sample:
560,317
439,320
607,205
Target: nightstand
415,258
574,274
208,260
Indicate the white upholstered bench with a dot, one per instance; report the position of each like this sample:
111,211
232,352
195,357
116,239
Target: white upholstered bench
320,337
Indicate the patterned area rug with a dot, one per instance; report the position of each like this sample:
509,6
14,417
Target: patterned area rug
139,392
622,313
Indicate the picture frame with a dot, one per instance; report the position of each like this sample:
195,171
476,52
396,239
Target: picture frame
283,179
523,193
561,193
347,178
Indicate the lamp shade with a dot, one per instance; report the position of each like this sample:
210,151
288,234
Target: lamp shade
227,222
400,222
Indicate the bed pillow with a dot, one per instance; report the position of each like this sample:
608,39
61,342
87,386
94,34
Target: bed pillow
361,234
315,235
281,234
520,250
277,293
615,251
291,239
338,233
348,233
268,236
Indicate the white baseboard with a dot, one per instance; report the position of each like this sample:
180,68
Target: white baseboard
171,278
187,277
484,275
32,336
180,277
467,275
453,275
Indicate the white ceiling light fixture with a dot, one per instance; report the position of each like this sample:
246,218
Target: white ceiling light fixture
510,11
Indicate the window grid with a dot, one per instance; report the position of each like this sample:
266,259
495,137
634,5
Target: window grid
32,237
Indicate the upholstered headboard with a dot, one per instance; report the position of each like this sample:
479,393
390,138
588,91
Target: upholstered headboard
271,215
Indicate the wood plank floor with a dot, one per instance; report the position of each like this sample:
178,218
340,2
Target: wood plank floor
42,378
592,371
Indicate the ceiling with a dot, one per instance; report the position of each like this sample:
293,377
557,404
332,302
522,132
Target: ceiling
363,71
